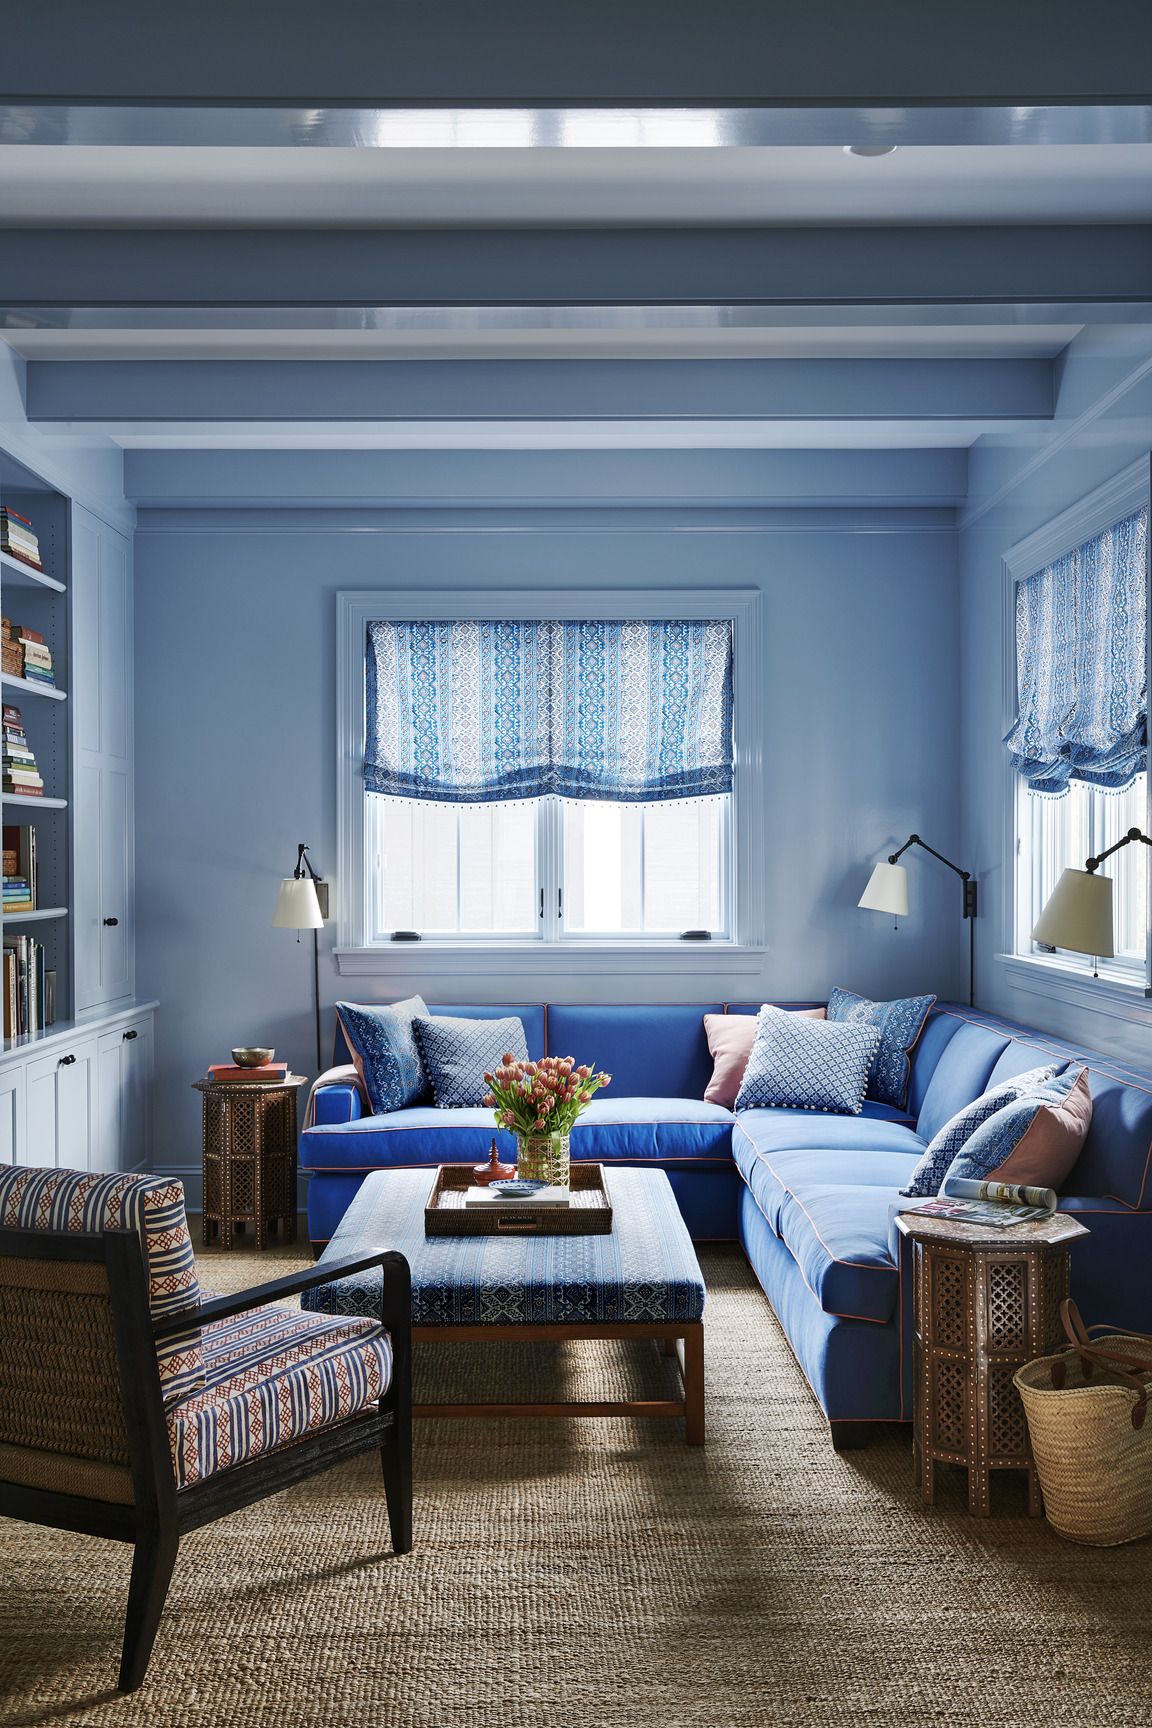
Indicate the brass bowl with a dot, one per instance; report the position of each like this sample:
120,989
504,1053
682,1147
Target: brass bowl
252,1056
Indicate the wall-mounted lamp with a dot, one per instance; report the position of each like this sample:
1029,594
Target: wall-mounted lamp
1078,912
887,891
302,904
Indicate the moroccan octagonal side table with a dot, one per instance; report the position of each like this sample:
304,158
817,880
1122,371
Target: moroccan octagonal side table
985,1302
249,1157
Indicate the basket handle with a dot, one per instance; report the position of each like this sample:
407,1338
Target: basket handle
1090,1354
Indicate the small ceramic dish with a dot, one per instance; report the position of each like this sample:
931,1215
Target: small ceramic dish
518,1190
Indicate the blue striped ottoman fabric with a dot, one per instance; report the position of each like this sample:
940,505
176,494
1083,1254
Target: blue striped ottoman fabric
645,1271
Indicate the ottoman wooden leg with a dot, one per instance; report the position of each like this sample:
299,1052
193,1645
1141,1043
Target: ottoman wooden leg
694,1384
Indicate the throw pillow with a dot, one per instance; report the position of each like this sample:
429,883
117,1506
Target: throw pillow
900,1024
1035,1141
385,1052
730,1040
458,1053
928,1176
74,1201
801,1064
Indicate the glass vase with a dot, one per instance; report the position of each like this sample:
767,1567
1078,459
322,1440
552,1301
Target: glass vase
543,1158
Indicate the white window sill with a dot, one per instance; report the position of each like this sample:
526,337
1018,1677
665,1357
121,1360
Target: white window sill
1058,980
548,959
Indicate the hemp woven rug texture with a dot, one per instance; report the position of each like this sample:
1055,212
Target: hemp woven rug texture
599,1574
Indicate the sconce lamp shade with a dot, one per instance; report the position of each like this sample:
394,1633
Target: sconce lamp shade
297,907
887,890
1079,915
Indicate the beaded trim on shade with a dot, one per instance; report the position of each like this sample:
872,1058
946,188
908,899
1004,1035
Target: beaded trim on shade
1081,672
475,711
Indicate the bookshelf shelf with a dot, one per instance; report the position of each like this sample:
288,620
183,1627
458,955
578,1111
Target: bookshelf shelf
35,803
28,687
36,917
15,571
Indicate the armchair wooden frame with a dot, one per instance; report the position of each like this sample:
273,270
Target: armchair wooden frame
158,1513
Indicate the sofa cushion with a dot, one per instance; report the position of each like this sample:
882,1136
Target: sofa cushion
1034,1141
837,1232
961,1074
76,1201
650,1052
900,1024
730,1040
807,1064
928,1177
653,1129
457,1054
272,1377
385,1054
804,1131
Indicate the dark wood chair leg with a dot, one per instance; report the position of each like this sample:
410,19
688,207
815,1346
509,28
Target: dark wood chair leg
396,1452
152,1565
850,1436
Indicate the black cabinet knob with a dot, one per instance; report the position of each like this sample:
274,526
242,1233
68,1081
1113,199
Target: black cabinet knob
65,1061
112,921
129,1035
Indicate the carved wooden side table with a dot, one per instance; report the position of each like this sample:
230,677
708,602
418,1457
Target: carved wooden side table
985,1302
249,1157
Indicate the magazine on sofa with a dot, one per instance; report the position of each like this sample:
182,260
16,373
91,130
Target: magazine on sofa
998,1204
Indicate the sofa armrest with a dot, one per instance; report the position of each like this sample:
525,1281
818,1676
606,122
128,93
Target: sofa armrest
337,1096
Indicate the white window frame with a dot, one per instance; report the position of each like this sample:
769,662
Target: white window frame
1121,989
739,953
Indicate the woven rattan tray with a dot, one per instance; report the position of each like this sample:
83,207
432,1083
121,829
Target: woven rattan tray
590,1213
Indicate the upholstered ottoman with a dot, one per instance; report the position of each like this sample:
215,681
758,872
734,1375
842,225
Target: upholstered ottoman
642,1281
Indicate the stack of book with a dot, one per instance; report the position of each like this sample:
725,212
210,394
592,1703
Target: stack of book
19,869
37,655
17,763
23,986
18,538
229,1073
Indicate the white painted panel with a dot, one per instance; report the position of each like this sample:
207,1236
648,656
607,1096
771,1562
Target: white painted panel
136,1063
40,1145
85,670
115,901
11,1115
108,1127
115,647
86,925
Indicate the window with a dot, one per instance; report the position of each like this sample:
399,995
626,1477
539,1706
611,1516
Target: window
1078,743
621,817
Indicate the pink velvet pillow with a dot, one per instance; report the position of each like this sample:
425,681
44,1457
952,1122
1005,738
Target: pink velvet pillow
730,1039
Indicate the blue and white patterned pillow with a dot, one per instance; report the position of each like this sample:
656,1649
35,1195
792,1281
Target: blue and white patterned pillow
900,1024
996,1140
801,1064
385,1052
945,1147
458,1053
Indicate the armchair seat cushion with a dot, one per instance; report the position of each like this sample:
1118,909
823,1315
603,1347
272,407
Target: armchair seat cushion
271,1377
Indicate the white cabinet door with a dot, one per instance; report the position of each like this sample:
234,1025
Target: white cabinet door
123,1138
11,1115
115,884
60,1115
87,876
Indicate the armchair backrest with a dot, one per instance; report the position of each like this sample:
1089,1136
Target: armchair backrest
80,1407
76,1202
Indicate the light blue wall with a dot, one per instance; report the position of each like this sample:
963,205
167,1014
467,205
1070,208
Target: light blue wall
1103,423
235,642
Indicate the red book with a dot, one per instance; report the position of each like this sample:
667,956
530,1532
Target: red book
229,1071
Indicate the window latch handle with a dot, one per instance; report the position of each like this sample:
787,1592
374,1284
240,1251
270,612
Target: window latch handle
541,902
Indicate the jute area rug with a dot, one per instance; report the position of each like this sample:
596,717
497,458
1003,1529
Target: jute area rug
579,1574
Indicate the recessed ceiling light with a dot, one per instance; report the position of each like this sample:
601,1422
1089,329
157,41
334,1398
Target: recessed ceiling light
870,149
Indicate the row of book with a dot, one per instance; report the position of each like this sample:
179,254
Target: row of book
20,877
17,762
25,653
228,1073
26,1005
18,537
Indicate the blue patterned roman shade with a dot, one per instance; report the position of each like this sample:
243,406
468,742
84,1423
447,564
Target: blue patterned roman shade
476,711
1081,664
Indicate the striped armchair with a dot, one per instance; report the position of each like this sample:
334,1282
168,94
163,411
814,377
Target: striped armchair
132,1407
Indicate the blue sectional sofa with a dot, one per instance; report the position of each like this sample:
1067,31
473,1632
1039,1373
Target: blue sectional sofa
809,1195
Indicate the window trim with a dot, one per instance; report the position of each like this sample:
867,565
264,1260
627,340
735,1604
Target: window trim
1061,976
741,607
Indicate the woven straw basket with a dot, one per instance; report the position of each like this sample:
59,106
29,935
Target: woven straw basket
1086,1412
